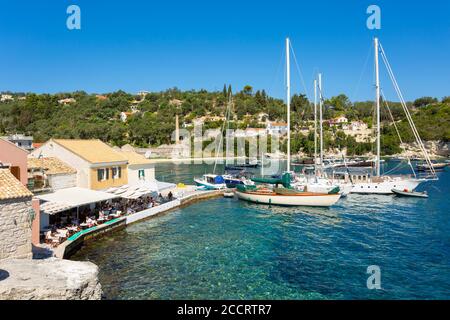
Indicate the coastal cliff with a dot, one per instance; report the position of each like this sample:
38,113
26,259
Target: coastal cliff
49,279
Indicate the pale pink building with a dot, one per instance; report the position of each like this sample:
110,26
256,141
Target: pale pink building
14,158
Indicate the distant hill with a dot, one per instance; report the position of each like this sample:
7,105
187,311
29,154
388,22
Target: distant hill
150,116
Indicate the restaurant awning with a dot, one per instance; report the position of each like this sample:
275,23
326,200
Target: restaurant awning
140,189
76,197
52,208
165,185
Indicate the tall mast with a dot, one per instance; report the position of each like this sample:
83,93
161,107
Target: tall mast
321,118
288,102
315,121
377,101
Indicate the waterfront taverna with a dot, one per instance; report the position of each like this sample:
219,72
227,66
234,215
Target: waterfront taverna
84,186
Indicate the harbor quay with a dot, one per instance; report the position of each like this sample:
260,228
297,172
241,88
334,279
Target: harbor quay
66,194
188,195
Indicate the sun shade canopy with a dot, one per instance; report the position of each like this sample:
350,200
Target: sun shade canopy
65,199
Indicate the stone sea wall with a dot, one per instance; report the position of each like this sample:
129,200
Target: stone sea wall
15,228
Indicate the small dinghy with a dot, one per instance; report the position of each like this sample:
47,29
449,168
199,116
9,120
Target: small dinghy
228,194
407,193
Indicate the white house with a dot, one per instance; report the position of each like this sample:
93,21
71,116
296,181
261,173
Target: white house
6,97
358,126
124,116
67,101
250,133
20,140
262,117
339,120
276,128
140,169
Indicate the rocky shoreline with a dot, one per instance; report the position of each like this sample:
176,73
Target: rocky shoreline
49,279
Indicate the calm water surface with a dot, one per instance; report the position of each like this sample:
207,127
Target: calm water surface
227,249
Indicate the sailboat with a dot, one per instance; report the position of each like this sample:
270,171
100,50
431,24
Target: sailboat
286,195
317,181
384,184
213,181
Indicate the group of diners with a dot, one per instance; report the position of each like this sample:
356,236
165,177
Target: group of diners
65,224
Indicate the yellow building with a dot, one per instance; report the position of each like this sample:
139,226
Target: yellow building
98,165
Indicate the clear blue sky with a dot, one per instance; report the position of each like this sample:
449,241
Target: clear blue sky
154,45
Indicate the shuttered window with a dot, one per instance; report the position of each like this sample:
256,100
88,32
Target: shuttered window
116,172
101,174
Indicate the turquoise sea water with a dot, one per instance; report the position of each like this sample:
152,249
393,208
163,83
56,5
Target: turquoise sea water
227,249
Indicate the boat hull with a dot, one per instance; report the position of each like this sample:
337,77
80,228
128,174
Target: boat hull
345,189
210,186
385,187
410,194
436,167
322,200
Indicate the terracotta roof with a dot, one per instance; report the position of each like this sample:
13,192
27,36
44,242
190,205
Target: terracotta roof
37,144
10,187
135,158
279,124
93,151
50,165
255,129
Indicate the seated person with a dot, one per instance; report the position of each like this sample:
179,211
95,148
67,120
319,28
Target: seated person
91,222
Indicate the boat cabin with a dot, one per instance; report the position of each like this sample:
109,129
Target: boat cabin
213,179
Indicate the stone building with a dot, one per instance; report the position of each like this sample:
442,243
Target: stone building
50,174
16,217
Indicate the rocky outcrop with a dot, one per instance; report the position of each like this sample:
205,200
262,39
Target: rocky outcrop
49,279
438,148
434,149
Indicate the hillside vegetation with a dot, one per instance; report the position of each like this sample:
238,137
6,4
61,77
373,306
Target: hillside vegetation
95,116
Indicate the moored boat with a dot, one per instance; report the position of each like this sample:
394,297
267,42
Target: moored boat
295,198
234,180
211,182
228,194
436,166
407,193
